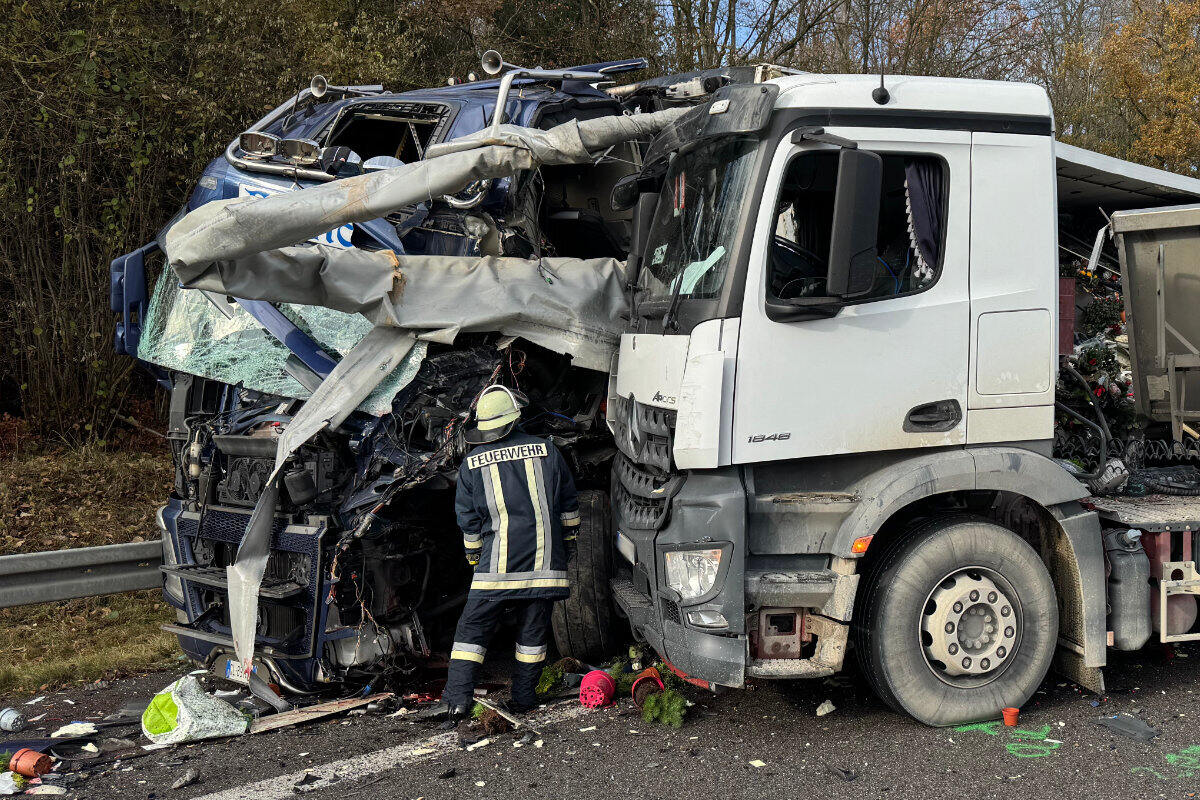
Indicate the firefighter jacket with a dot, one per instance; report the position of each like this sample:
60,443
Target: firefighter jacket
517,507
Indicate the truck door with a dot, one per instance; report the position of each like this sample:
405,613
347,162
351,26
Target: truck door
889,369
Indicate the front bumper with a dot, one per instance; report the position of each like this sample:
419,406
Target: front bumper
704,510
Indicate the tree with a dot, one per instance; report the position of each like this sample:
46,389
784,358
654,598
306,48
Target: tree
1150,68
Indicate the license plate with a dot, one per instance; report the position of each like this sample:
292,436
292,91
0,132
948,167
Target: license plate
234,671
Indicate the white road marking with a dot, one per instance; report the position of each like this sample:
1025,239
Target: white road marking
369,764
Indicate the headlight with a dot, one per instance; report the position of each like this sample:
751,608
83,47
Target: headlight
258,145
302,152
692,573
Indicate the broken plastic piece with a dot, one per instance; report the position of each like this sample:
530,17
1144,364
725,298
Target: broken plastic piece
74,729
1130,726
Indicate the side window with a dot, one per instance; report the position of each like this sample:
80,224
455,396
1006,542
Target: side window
911,226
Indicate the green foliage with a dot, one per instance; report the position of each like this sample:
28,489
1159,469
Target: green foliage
478,711
550,679
618,670
667,708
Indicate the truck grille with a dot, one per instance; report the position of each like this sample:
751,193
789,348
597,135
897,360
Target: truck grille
288,607
642,499
645,434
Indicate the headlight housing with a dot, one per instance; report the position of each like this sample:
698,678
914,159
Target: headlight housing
256,144
301,152
693,573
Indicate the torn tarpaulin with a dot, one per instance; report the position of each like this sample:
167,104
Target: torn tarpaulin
234,228
567,305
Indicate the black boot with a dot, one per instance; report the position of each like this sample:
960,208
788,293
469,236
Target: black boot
442,710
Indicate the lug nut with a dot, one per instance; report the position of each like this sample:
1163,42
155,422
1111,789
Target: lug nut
974,595
1005,611
1009,632
949,627
985,664
966,662
1001,652
953,649
958,608
991,597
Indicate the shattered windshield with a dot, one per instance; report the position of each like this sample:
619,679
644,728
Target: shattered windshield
184,331
698,214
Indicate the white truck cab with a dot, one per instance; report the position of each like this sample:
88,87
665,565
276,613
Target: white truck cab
835,403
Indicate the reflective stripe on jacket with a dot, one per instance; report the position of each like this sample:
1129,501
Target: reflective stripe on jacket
515,501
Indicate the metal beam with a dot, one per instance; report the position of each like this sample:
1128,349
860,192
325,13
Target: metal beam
48,577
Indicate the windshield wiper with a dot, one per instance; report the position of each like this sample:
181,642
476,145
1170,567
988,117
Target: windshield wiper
670,318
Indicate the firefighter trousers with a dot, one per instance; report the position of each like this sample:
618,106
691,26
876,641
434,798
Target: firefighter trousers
478,623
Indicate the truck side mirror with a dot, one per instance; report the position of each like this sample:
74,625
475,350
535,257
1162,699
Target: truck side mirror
852,243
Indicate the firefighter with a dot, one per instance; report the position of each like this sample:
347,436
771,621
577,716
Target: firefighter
518,510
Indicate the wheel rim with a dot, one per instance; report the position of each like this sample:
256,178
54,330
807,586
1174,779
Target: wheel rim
970,627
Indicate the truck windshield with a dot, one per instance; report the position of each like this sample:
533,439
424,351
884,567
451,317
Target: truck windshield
701,204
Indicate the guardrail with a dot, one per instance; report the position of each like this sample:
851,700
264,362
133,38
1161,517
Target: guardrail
48,577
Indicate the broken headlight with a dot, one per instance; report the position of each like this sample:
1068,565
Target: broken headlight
258,145
693,573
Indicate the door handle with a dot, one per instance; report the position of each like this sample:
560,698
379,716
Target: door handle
942,415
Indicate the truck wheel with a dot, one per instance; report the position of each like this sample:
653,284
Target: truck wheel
584,623
957,621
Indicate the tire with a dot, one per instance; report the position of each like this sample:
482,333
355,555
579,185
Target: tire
584,624
921,586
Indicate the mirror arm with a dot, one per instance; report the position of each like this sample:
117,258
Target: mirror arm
812,133
801,308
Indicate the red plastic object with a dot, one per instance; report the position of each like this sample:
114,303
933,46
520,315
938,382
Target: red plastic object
30,763
597,688
1010,716
649,674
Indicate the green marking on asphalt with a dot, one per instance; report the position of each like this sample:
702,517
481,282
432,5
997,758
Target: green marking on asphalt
1027,744
1186,764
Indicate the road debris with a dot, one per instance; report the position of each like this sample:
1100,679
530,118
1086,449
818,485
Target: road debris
757,764
847,774
476,745
1130,726
11,783
187,779
307,713
648,682
827,707
450,773
11,720
30,763
183,712
597,689
75,729
1010,716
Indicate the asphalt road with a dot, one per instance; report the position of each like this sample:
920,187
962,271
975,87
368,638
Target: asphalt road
860,750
